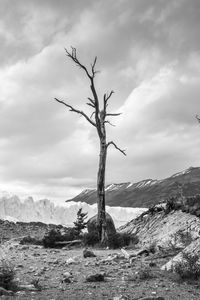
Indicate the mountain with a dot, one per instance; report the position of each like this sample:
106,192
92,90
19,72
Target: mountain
12,208
146,192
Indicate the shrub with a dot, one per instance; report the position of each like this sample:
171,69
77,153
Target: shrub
90,239
145,273
30,240
119,240
7,275
53,236
189,267
116,240
170,204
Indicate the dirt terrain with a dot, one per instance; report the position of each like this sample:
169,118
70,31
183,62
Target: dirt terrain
123,279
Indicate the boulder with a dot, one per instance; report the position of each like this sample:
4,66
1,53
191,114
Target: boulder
95,277
92,225
88,253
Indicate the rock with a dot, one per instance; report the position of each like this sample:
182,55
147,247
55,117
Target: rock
27,287
152,298
66,280
152,264
67,275
71,261
88,253
4,292
92,225
143,252
95,277
25,247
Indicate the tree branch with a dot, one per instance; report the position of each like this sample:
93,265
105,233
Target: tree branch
114,115
112,143
73,56
90,104
94,72
197,117
71,108
109,123
105,99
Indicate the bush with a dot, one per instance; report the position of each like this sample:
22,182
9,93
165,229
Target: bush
119,240
7,275
170,204
53,236
145,273
90,239
30,240
189,267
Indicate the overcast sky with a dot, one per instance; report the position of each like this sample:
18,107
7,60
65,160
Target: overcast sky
148,53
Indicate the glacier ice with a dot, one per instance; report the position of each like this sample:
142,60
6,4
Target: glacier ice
15,209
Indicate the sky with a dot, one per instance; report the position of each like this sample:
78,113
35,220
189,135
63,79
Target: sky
148,52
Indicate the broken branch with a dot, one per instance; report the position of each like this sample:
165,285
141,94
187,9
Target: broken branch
112,143
71,108
114,115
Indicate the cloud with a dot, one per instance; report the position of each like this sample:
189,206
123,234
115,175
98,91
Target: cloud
148,53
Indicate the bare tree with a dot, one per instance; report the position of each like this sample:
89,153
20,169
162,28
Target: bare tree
98,119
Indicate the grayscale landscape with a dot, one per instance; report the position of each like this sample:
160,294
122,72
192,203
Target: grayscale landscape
99,150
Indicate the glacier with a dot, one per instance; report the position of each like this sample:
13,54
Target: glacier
12,208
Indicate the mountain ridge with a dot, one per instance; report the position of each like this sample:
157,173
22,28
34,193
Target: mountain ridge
146,192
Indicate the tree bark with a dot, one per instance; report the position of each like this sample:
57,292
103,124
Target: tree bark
101,219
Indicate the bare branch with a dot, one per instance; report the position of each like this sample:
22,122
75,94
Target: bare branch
71,108
106,98
90,104
112,143
73,56
109,123
91,100
92,114
197,117
114,115
94,72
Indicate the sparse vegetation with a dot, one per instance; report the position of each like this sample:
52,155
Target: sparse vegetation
117,240
54,236
37,284
144,273
170,205
90,239
7,275
188,267
30,240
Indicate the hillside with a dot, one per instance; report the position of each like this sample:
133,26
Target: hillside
146,192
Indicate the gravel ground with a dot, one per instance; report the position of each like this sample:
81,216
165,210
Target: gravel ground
123,280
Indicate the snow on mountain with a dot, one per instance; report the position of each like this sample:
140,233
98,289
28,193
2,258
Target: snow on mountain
27,210
147,192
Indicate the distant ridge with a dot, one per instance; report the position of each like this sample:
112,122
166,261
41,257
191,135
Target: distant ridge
146,192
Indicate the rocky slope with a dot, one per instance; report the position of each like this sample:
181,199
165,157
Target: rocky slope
175,231
147,192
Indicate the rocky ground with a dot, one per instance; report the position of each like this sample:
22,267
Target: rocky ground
62,274
57,274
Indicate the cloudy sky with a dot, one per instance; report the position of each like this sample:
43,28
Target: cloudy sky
148,53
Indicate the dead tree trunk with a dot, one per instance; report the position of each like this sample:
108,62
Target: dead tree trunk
101,220
98,119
